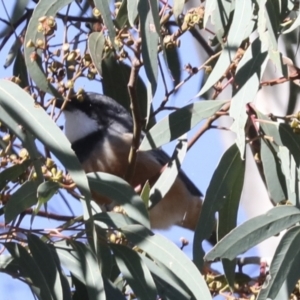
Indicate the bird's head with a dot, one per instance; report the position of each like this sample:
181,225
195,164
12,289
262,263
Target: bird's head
92,113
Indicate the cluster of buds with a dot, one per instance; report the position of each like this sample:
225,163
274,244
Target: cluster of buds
193,17
295,123
117,237
47,25
50,171
170,42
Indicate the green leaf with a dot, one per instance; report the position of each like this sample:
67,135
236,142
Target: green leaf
178,7
114,220
103,6
17,12
291,141
44,259
122,16
168,285
83,264
149,36
135,272
115,79
13,173
31,269
285,257
224,190
46,190
96,42
169,255
173,60
20,70
169,175
242,18
249,73
34,67
179,122
132,8
20,200
254,231
112,292
145,193
273,174
13,52
119,190
289,169
90,270
221,17
21,107
26,138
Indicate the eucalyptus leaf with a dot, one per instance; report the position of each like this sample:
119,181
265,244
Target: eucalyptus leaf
96,43
149,35
34,66
103,6
119,190
20,200
224,190
284,259
13,172
44,259
169,255
254,231
273,174
135,272
248,76
169,175
178,7
31,269
22,108
179,122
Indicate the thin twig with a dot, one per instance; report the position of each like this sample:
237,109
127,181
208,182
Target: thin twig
137,127
206,126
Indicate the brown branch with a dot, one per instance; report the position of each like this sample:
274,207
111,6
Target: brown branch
136,116
206,126
29,211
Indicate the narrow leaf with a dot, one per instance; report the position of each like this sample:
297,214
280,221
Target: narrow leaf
169,255
254,231
225,187
120,191
44,259
286,254
179,122
249,73
34,66
30,268
96,42
149,42
20,200
13,173
21,107
169,175
273,173
135,272
103,6
178,7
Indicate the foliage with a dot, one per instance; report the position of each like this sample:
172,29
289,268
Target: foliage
115,255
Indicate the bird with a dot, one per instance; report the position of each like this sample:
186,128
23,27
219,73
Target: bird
100,131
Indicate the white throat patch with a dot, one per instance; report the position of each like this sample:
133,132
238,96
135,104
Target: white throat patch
78,125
